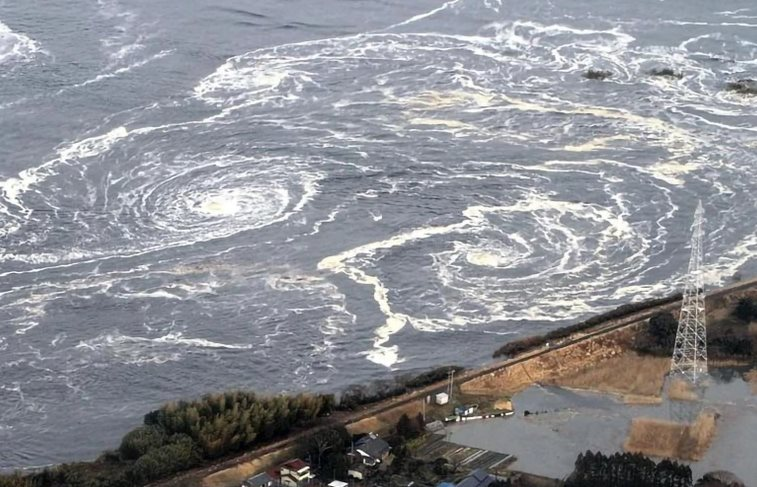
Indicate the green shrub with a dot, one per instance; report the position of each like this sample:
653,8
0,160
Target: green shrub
141,440
746,310
531,343
166,460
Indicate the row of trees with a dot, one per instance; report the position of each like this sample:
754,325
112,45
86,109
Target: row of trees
530,343
357,395
724,339
225,423
627,470
184,434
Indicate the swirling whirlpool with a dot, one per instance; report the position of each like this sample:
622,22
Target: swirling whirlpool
315,213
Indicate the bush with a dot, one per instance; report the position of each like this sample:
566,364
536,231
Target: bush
730,345
746,310
357,395
166,460
140,441
659,336
408,428
531,343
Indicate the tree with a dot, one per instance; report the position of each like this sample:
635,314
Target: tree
746,309
331,439
408,428
663,327
141,440
627,470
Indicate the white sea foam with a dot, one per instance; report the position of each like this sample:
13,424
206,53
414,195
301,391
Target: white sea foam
16,47
122,70
137,350
546,214
425,15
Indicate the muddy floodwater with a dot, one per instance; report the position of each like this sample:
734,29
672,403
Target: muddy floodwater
569,422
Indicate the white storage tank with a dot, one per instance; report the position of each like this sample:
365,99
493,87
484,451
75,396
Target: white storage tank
442,398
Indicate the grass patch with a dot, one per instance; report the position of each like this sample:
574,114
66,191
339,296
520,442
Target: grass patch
672,440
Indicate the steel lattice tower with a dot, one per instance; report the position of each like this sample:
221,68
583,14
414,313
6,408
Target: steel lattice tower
690,352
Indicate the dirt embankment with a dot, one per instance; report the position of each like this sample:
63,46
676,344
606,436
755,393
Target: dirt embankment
603,364
751,376
667,439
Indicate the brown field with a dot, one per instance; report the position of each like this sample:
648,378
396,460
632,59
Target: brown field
680,390
751,377
667,439
603,364
638,379
384,422
236,475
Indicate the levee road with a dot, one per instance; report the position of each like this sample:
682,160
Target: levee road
194,477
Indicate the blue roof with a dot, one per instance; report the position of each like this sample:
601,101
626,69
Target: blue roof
259,479
445,484
477,478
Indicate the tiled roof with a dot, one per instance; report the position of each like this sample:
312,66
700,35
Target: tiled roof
373,446
295,464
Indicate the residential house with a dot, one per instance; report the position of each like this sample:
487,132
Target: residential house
259,480
295,473
371,450
477,478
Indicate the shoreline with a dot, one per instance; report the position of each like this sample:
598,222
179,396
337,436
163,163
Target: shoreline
572,337
633,318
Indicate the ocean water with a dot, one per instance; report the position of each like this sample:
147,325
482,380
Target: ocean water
292,195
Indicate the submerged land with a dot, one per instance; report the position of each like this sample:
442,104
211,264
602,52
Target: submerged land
623,355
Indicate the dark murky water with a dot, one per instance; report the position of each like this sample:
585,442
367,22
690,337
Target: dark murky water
569,423
199,195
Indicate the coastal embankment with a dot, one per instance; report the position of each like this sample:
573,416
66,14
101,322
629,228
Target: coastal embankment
597,357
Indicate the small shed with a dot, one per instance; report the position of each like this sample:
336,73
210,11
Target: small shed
259,480
338,483
441,398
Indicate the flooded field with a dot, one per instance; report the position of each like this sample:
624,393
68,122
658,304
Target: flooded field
562,423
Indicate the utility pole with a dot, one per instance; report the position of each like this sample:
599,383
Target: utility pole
451,380
690,352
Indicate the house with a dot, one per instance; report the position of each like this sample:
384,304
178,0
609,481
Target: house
295,473
259,480
371,450
477,478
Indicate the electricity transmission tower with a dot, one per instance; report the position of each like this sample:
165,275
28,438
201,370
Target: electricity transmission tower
690,352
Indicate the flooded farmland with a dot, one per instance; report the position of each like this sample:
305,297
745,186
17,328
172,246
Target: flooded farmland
562,423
